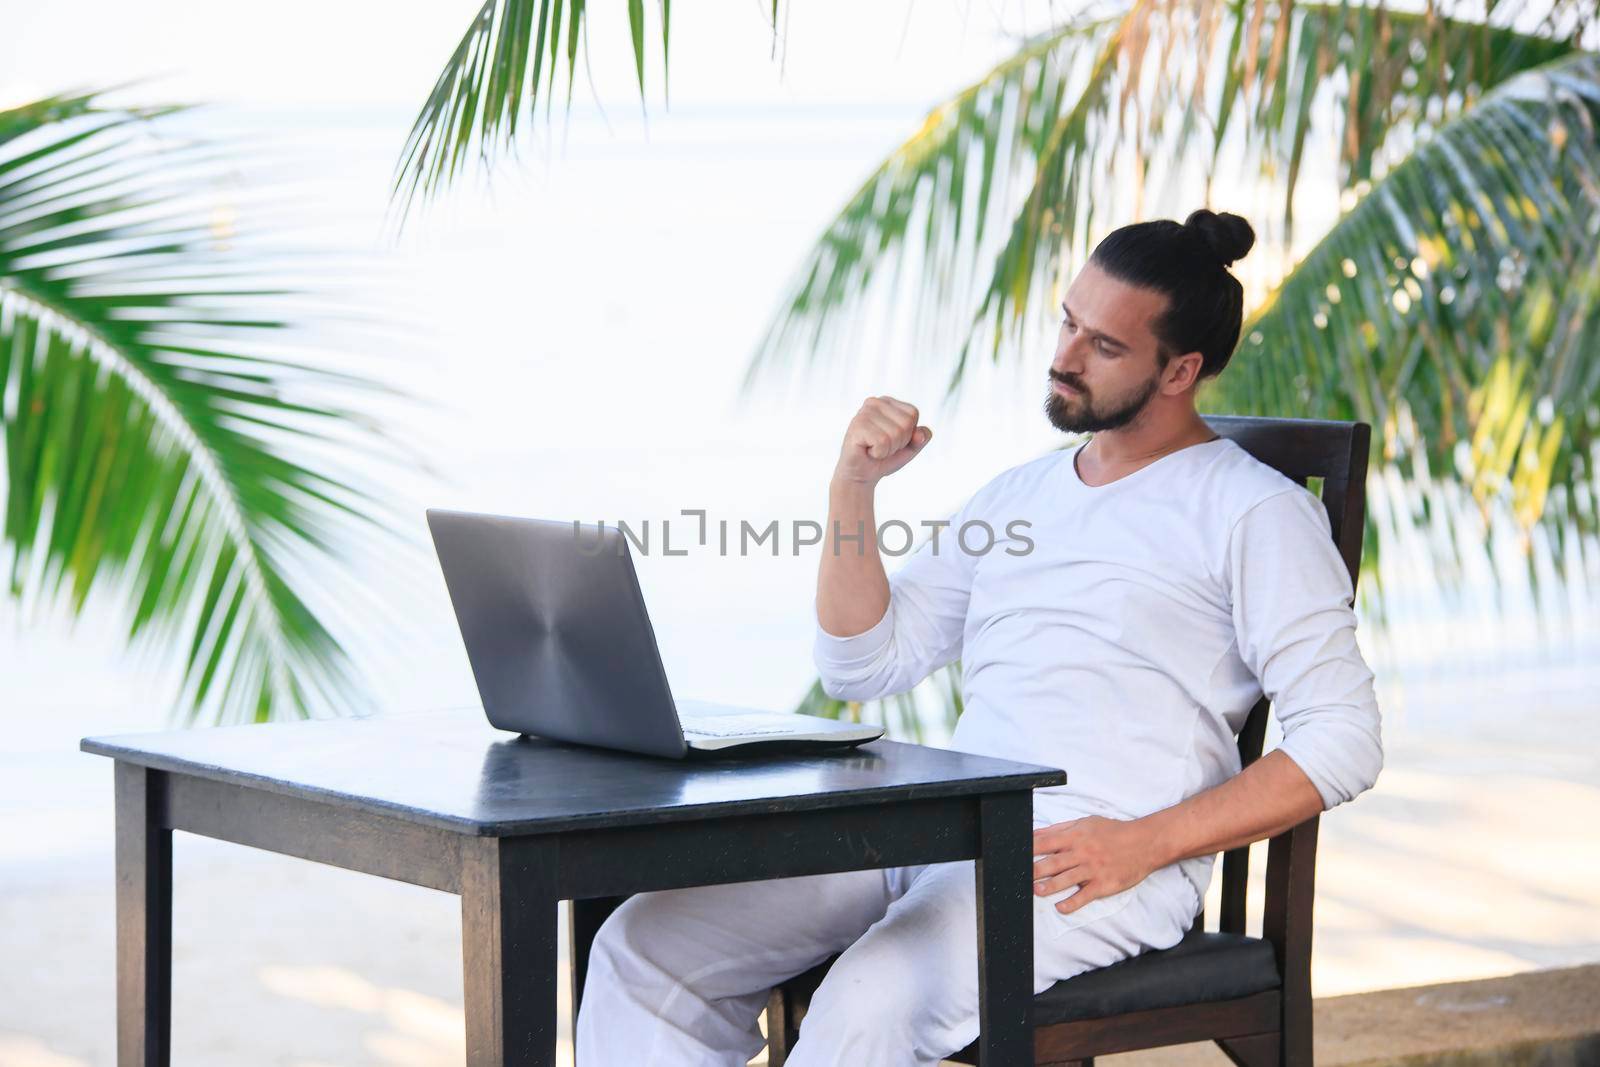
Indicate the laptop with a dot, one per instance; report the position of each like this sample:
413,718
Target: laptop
561,646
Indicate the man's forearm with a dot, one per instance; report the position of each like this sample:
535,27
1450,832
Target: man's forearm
852,586
1267,798
1105,856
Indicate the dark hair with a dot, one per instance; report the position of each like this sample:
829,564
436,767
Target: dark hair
1188,264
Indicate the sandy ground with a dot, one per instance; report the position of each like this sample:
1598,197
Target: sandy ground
1474,857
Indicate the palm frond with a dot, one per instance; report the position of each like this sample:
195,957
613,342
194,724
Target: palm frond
1075,123
957,166
513,51
147,435
906,716
1457,307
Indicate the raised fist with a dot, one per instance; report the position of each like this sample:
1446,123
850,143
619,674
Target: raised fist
882,438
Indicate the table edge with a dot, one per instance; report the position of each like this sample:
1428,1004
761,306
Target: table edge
529,827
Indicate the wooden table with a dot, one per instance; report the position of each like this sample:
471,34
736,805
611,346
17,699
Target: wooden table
514,825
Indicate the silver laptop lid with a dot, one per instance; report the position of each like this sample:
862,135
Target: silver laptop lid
556,631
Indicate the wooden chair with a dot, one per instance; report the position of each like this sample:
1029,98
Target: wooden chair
1251,995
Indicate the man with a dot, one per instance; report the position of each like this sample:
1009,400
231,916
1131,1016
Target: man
1166,579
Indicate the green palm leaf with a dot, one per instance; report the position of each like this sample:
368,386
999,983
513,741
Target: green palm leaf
1159,82
958,165
1457,307
511,54
904,715
150,442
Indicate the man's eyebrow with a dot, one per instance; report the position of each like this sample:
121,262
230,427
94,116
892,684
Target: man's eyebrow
1097,333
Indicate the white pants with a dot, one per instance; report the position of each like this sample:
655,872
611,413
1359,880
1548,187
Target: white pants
679,979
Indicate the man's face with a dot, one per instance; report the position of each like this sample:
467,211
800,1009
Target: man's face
1106,367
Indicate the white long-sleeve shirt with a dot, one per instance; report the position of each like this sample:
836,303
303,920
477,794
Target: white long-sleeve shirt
1129,642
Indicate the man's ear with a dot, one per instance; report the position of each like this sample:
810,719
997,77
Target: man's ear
1182,372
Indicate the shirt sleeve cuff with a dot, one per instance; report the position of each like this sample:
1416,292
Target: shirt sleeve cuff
1312,768
858,649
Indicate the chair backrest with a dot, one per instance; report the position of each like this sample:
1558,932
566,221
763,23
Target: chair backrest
1302,450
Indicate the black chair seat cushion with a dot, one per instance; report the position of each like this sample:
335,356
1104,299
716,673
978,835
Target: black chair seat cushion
1202,968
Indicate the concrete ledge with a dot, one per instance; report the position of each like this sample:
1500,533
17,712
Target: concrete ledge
1535,1019
1578,1052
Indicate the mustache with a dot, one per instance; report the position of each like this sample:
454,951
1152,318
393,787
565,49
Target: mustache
1064,380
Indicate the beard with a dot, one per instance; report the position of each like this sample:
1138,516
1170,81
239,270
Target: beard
1078,414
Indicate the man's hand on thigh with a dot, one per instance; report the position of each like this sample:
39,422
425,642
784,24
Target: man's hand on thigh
1100,856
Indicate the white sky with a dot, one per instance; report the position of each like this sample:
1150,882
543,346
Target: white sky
351,52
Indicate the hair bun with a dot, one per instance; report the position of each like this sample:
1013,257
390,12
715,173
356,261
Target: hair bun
1229,236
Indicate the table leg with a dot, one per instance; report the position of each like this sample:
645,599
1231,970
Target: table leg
1005,929
587,916
508,940
144,921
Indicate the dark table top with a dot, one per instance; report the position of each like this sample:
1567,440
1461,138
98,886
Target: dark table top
452,770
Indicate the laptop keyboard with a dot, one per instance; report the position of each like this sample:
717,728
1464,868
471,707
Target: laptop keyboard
754,724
